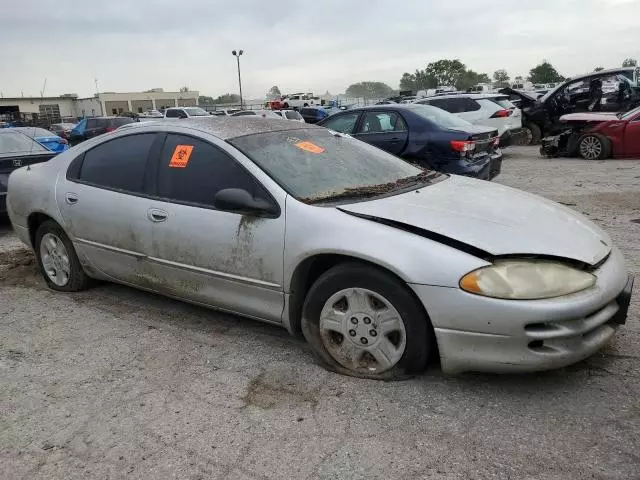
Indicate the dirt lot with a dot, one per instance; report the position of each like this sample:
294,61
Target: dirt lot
115,383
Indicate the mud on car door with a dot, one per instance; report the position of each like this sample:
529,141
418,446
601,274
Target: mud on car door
229,259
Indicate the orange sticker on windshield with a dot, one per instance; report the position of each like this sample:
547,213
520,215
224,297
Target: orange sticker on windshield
181,156
309,147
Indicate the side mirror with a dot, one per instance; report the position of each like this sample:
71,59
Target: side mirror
241,201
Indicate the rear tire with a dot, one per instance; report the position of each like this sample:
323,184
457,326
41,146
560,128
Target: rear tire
594,146
363,322
57,259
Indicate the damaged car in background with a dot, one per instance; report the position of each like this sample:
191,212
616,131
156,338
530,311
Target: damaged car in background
378,263
615,91
596,136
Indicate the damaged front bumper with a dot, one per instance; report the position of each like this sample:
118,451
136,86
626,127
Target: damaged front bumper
476,333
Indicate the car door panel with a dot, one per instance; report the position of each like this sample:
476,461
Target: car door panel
104,209
632,138
223,259
385,137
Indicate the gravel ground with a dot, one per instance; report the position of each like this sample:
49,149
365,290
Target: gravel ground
116,383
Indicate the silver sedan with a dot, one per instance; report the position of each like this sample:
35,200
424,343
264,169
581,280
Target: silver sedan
379,264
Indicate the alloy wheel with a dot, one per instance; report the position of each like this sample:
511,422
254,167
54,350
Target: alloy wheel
590,148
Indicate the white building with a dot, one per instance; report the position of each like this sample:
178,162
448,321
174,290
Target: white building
52,109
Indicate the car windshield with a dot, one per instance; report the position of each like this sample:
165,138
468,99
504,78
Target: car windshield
319,165
438,116
16,142
196,112
292,115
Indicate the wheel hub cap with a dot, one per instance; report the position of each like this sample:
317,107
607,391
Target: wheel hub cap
362,331
590,148
55,259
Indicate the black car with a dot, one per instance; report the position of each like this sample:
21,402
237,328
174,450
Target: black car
426,135
17,150
92,127
614,90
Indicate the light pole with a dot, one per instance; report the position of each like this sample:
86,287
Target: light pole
237,55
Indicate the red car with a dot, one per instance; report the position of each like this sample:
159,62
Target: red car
596,136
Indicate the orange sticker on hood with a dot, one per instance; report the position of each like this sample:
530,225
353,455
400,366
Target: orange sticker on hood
181,156
309,147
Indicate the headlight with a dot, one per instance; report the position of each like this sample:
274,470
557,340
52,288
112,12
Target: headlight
526,280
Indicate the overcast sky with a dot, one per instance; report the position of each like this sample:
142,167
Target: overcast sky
310,45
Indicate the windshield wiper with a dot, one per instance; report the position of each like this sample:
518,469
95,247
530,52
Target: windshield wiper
372,190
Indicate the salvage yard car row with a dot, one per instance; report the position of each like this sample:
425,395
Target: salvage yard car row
376,262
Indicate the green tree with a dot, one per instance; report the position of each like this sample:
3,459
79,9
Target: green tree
204,100
544,73
369,90
274,93
501,77
184,89
227,98
446,72
630,62
417,81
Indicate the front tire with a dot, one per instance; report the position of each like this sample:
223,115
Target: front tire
594,146
534,134
57,259
363,322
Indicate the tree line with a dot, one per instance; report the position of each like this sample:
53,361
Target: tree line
443,72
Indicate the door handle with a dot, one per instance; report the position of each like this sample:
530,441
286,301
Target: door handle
71,198
156,215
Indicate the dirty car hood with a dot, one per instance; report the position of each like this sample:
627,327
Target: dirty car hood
493,218
588,117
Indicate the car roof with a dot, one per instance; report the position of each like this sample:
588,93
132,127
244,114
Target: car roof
475,96
601,72
227,128
394,106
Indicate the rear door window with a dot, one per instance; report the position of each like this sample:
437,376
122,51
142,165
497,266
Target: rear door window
343,123
378,122
193,171
292,115
451,105
173,113
118,164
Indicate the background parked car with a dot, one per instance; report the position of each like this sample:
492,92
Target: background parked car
299,100
614,90
313,114
47,139
290,115
185,112
596,136
492,110
257,113
426,135
62,129
92,127
17,150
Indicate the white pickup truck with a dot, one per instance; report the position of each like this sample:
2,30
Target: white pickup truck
299,100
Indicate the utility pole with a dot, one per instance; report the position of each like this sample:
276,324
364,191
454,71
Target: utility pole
237,55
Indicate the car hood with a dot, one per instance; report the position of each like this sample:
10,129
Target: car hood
492,218
588,117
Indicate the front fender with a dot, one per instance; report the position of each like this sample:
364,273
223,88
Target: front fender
313,230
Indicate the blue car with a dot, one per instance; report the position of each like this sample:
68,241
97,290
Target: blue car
426,135
48,140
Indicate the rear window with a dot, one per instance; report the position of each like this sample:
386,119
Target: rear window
504,102
292,115
16,142
36,132
440,117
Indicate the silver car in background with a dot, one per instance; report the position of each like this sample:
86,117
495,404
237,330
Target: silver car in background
376,262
